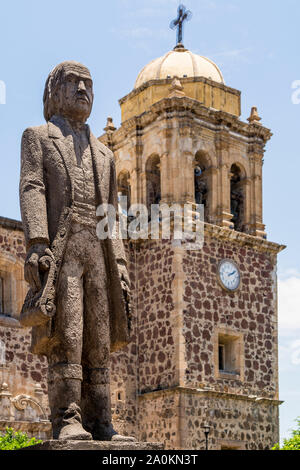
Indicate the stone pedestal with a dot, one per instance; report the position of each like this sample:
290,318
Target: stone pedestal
96,445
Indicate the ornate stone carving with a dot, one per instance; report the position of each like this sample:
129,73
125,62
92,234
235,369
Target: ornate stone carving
9,406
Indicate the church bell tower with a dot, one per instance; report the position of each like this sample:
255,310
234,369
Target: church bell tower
203,351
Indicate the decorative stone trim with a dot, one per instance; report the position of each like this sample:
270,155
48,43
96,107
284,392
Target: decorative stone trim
11,406
243,239
27,426
195,111
205,393
168,81
21,402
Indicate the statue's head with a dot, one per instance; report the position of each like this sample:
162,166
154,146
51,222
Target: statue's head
69,92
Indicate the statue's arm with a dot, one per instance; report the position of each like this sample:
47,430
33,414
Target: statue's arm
32,190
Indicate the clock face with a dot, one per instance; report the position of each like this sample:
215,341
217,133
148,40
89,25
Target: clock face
229,275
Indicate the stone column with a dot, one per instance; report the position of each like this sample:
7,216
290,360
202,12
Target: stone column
6,409
224,212
257,228
247,201
213,175
165,179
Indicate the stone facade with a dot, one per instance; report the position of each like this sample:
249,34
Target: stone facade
172,130
180,308
23,385
166,384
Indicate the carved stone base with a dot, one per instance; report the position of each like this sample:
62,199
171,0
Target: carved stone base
96,445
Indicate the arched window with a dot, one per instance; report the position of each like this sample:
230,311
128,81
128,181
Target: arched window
153,188
124,189
13,288
201,183
237,197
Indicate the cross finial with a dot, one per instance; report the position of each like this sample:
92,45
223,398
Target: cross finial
183,15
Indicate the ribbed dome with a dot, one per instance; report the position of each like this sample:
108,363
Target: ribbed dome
181,63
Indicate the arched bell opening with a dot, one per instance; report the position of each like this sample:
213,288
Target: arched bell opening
124,189
153,182
202,183
237,197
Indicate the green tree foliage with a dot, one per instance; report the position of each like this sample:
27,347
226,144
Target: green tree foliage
293,443
13,440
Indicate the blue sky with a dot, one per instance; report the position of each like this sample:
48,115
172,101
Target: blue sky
256,45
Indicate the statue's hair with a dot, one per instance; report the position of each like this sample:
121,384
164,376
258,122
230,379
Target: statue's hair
53,81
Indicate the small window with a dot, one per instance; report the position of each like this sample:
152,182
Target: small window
5,295
221,357
229,354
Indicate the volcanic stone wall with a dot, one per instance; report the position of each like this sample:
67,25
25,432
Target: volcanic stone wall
166,384
179,385
176,417
149,362
21,372
21,369
12,238
251,312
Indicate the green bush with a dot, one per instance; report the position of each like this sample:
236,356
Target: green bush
13,440
293,443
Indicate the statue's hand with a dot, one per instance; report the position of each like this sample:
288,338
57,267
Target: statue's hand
123,273
125,283
33,267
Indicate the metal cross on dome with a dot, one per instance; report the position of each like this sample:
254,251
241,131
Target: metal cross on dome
183,15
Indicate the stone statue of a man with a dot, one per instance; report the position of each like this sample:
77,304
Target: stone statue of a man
81,282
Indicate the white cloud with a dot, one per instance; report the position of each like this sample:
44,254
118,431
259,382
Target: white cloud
289,302
295,357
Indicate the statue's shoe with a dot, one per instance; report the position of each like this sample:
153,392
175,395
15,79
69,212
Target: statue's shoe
107,433
74,432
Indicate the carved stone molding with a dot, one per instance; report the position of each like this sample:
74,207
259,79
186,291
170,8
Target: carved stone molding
21,402
18,408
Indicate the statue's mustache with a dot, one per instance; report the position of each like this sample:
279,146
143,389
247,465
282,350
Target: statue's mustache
82,94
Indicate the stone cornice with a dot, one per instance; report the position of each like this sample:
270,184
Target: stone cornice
242,239
206,393
28,426
190,109
226,234
168,81
11,224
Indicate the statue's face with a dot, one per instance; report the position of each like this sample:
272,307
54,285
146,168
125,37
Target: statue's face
76,94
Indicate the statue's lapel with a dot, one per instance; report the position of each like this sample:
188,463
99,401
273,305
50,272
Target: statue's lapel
99,164
60,132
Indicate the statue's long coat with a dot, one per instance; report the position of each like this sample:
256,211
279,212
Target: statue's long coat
47,196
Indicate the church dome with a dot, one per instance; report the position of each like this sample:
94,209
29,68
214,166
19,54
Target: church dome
181,63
